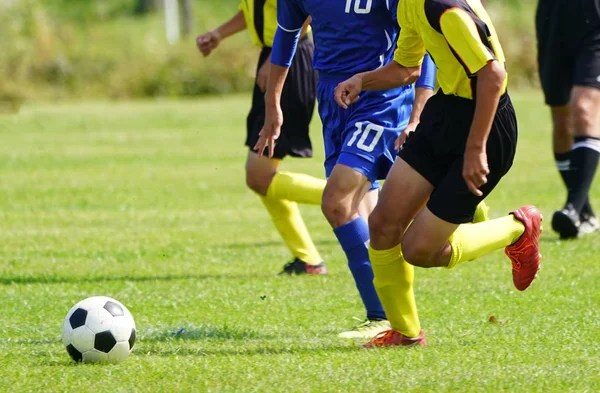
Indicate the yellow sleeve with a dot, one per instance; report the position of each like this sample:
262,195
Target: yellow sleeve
462,34
410,49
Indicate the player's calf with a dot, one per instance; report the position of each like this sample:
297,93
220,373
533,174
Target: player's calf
425,243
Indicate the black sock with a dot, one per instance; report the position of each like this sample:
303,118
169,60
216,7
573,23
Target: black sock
563,164
584,161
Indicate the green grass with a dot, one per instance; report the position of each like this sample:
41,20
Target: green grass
146,202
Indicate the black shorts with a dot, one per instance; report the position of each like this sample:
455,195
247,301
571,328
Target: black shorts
436,150
568,36
297,103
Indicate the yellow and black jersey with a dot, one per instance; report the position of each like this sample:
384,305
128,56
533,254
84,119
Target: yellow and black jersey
457,34
261,20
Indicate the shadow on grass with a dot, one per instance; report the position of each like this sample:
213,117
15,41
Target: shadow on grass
244,350
202,332
13,280
251,342
229,246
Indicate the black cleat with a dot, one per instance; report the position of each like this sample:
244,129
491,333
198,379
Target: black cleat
566,222
298,266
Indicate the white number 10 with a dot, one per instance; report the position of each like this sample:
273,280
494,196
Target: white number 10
365,133
357,8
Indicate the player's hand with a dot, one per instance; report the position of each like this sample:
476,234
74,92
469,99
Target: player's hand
346,93
475,169
207,42
402,137
262,77
270,131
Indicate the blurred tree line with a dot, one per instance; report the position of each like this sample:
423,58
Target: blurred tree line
53,49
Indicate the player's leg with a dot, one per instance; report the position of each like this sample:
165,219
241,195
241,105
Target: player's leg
556,76
585,104
359,150
285,214
451,204
369,201
263,177
346,195
436,237
297,103
403,194
562,140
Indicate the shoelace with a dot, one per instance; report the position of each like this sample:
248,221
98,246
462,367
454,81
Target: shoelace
363,323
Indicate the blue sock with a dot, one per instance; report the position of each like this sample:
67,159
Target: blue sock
353,237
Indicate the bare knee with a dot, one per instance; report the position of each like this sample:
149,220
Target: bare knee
585,117
259,180
337,209
383,227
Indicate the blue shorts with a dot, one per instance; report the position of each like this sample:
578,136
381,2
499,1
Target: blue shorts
362,137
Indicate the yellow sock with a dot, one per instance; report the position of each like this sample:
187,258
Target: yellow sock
290,225
471,241
296,187
481,213
394,284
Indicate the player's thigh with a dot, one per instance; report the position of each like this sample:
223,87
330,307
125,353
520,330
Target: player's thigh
452,201
369,202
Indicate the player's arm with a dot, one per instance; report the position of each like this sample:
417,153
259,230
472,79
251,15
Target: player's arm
490,84
291,23
423,91
404,70
388,77
262,79
463,33
208,41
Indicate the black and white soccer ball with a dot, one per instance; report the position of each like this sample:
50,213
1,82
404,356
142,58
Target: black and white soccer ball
99,329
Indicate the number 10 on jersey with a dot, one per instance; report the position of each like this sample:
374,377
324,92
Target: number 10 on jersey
358,9
364,134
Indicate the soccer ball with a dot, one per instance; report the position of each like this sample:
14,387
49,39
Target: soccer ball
99,330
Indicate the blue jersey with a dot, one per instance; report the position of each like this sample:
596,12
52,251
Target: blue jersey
350,36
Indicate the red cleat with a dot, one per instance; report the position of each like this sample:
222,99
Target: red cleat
393,338
525,252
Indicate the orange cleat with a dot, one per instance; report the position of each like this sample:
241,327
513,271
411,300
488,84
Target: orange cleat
393,338
525,252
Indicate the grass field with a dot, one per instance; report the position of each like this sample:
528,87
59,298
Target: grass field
146,202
